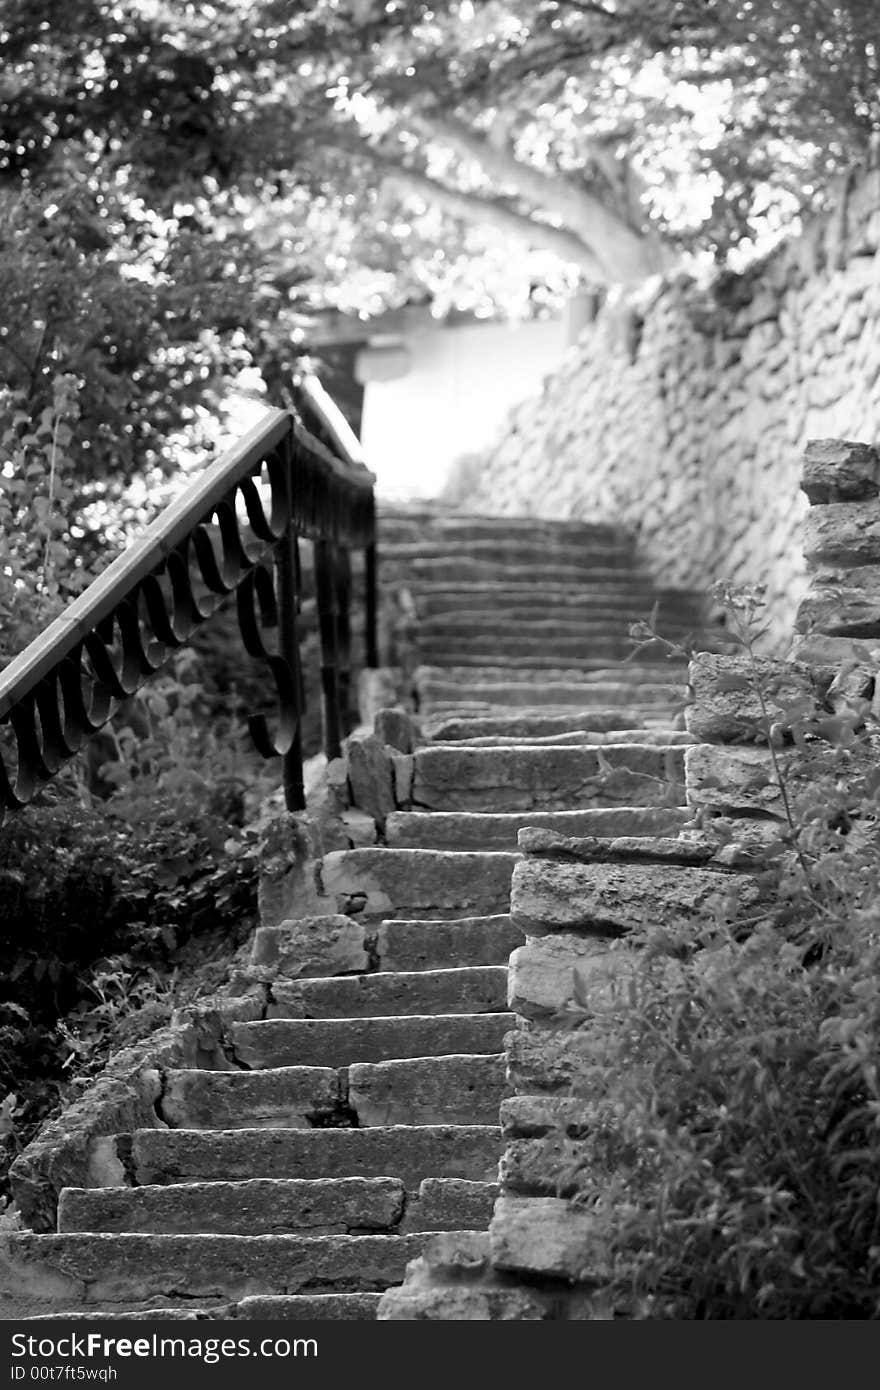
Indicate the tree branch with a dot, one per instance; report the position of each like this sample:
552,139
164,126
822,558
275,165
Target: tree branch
626,253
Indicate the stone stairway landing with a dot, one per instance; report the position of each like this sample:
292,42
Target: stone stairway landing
352,1109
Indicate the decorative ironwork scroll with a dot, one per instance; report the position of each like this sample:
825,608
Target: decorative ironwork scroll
233,531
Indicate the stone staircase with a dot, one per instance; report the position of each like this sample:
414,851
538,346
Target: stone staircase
351,1105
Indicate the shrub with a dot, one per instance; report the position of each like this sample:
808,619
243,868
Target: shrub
732,1154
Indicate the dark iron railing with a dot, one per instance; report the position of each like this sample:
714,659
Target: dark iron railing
298,474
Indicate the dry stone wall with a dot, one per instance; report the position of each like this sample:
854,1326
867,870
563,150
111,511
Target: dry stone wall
685,416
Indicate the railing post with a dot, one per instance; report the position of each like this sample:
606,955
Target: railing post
287,586
326,598
348,716
371,642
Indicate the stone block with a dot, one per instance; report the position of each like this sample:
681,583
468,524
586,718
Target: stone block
840,470
402,769
397,729
547,1236
545,975
613,899
289,854
726,707
843,533
369,776
330,944
842,603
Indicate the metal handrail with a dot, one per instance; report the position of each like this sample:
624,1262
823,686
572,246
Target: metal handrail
289,481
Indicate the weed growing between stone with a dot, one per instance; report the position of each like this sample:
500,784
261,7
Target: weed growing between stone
732,1153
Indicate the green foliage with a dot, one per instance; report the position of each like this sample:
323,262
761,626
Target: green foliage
734,1141
104,902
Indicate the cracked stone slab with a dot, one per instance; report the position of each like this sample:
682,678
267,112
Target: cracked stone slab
469,830
450,1204
412,882
311,1042
286,1097
271,1206
331,944
612,899
462,990
590,849
407,1152
440,943
456,1089
546,778
109,1269
317,1307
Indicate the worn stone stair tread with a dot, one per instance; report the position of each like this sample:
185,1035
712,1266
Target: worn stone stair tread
381,882
449,1089
270,1206
434,694
285,1097
460,990
279,1206
394,519
55,1269
439,712
458,567
408,1152
545,552
309,1307
585,738
431,943
582,658
550,777
467,829
618,673
536,722
281,1042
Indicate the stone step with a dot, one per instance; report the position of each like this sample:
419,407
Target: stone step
584,738
529,554
270,1206
280,1206
578,624
460,990
56,1270
431,945
408,1152
316,1307
550,778
616,587
456,568
446,695
397,527
578,653
633,674
528,722
380,883
340,1042
283,1097
498,830
429,1090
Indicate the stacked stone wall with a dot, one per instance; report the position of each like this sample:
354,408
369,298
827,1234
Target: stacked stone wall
685,415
